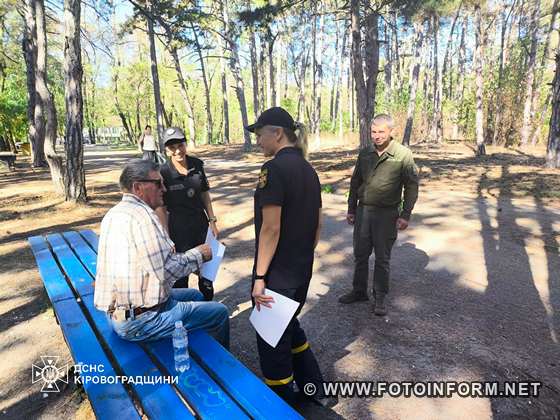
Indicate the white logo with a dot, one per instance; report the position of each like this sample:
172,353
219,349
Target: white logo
49,373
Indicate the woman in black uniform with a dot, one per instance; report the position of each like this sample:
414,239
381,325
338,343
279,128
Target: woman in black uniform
188,207
287,227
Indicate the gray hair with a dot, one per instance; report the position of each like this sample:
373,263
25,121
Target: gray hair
135,170
384,119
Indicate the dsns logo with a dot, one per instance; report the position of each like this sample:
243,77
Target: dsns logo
49,373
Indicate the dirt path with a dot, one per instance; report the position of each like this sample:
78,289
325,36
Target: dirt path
475,282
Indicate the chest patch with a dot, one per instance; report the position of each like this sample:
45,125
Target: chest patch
176,187
263,177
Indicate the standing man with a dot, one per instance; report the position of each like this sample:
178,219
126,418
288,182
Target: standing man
381,174
137,266
287,227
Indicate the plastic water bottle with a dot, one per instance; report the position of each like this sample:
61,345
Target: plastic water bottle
181,348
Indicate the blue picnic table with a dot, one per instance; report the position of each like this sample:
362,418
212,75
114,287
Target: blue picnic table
217,385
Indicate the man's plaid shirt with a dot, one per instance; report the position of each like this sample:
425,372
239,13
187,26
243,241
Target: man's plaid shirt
136,261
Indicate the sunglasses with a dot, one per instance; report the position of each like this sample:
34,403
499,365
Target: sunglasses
157,182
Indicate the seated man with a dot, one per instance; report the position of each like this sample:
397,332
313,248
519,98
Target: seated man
137,266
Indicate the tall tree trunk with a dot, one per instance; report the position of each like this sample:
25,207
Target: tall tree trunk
155,80
46,99
335,74
541,110
209,123
225,99
447,58
498,108
318,81
270,83
29,46
479,78
184,91
461,61
264,85
301,83
530,78
437,126
338,83
388,67
236,72
397,74
367,63
553,146
413,83
75,179
254,68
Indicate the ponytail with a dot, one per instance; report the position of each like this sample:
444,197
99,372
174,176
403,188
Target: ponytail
299,140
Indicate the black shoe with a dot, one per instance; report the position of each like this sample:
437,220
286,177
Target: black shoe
206,287
379,307
353,297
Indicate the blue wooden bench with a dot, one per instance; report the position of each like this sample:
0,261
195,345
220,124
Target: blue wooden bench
217,385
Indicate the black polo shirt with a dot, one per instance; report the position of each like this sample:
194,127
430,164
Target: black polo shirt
290,181
188,222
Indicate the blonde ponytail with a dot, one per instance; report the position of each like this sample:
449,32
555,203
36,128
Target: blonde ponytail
299,140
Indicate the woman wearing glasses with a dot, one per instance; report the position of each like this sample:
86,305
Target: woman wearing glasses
187,212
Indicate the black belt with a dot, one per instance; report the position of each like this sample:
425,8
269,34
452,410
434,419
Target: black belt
139,311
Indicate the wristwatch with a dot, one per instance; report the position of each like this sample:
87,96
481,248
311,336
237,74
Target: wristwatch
213,219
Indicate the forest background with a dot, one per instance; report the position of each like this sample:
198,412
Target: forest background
455,70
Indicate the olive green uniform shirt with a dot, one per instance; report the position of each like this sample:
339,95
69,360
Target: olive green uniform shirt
380,180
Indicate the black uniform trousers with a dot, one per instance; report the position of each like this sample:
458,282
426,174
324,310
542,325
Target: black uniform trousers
375,230
292,359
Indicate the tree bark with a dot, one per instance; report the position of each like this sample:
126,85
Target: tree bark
461,60
447,57
318,79
46,99
29,46
553,146
74,179
254,68
209,123
479,78
366,61
541,110
530,78
155,80
413,83
235,69
271,86
437,126
225,99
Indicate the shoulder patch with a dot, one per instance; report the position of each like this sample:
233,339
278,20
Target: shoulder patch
263,177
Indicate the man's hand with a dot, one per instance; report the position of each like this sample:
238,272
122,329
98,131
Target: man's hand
260,297
214,229
402,224
206,252
350,218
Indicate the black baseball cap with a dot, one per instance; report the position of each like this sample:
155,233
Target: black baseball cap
277,116
173,135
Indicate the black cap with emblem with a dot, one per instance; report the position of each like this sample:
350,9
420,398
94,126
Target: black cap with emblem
173,135
277,116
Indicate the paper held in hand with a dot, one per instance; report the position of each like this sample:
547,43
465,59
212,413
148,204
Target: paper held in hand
209,269
271,323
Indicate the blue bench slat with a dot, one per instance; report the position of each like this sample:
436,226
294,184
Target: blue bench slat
79,277
202,393
91,237
157,399
247,389
81,247
259,401
54,281
109,401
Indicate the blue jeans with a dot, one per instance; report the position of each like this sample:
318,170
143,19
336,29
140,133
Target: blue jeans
183,305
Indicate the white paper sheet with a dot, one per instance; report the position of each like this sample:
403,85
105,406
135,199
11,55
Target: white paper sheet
271,323
209,269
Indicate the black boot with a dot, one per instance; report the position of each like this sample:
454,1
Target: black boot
353,296
379,307
206,287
